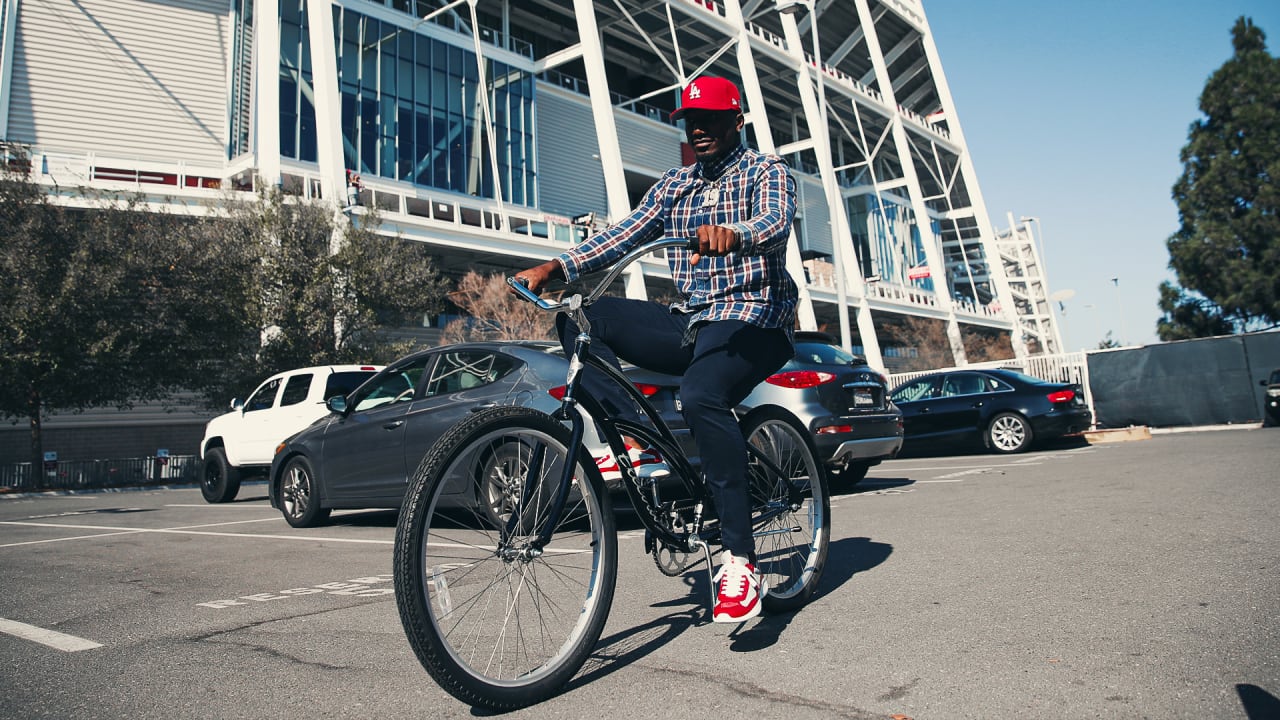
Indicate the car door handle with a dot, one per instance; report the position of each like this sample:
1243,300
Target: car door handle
977,404
393,425
482,406
924,410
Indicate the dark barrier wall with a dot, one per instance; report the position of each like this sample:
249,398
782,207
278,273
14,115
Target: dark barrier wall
1211,381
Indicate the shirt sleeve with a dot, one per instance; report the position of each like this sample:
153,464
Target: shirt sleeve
773,208
603,249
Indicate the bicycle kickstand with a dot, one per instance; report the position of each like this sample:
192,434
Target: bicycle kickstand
711,576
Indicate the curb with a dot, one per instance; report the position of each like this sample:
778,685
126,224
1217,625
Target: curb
1137,432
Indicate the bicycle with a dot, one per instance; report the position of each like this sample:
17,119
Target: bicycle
506,548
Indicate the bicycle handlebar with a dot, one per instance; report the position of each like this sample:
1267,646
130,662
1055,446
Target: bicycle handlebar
572,303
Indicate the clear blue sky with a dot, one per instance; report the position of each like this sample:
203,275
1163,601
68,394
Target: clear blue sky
1075,113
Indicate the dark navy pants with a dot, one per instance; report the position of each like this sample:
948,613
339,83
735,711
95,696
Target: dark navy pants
719,370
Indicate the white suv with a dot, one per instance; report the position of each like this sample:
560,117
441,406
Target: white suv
243,441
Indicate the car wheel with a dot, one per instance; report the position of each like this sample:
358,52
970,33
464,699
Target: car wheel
1009,433
502,471
219,481
851,475
300,496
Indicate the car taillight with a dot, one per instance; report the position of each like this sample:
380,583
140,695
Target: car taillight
1060,396
835,429
800,379
646,389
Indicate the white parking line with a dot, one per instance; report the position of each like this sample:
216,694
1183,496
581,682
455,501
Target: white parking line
51,638
179,531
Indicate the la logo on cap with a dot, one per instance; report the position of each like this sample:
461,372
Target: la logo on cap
694,92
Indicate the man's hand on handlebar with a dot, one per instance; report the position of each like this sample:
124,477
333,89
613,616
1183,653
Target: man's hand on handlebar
714,241
536,278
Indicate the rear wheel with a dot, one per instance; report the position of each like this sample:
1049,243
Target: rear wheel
1009,433
498,619
791,511
220,481
850,475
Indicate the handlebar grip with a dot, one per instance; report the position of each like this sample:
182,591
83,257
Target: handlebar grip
523,291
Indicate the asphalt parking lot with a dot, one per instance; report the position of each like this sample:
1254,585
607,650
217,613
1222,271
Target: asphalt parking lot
1130,580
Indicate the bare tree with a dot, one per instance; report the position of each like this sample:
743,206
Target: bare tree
494,313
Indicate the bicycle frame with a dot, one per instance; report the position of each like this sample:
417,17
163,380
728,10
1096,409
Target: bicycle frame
658,436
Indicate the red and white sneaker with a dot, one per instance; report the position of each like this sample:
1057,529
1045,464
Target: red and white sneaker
647,463
739,589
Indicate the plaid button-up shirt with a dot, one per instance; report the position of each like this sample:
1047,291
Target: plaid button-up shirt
748,191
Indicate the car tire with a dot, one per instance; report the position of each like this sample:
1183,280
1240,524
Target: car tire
219,480
502,469
1008,433
851,475
300,495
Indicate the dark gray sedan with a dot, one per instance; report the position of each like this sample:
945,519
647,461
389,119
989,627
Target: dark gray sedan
364,452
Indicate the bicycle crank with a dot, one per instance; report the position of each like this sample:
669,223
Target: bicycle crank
672,562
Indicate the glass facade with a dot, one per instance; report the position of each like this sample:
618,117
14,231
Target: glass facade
411,108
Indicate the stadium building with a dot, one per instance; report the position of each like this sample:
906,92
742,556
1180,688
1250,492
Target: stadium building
499,131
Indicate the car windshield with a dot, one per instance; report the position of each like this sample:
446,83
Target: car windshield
823,354
1024,378
1275,378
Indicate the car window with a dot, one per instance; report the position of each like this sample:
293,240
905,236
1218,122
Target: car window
264,397
396,386
465,369
1275,378
822,354
342,383
920,389
964,384
295,389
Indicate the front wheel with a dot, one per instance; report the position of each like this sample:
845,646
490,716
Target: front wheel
299,495
1009,433
791,511
220,481
497,618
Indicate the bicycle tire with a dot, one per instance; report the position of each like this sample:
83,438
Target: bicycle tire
791,547
469,602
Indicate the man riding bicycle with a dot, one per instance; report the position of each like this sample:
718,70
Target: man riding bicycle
731,330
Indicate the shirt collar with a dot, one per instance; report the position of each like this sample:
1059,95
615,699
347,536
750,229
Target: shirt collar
718,168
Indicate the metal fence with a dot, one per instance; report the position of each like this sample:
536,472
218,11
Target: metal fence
88,474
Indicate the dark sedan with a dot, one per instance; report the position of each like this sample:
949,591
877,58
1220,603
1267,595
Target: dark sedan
363,453
1002,410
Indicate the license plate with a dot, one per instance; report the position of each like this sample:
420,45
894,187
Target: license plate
863,398
679,405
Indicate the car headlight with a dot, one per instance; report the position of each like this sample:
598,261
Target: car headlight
1273,392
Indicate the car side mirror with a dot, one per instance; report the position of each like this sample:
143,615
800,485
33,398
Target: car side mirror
236,404
337,404
1263,383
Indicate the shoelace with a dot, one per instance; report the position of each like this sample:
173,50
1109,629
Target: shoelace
734,575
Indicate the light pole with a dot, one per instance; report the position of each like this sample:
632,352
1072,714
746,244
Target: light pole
1120,311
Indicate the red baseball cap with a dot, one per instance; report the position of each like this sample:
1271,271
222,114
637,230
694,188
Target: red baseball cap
709,93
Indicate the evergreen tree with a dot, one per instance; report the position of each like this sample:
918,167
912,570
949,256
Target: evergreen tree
1226,252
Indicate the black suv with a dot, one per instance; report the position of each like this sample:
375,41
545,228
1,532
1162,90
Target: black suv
839,400
1272,401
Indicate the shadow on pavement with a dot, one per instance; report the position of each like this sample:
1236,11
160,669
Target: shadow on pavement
1258,704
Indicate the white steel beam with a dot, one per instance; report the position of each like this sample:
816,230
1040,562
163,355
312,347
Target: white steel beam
970,180
615,178
932,248
764,142
815,110
266,89
328,103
